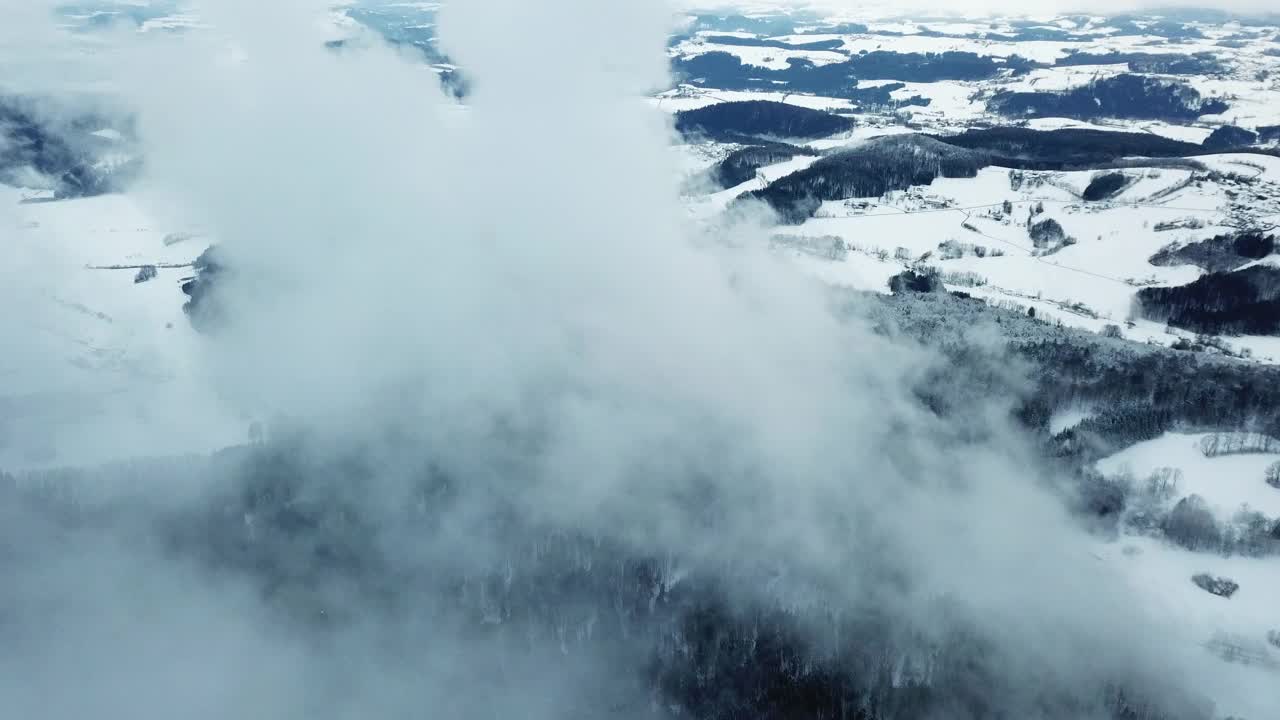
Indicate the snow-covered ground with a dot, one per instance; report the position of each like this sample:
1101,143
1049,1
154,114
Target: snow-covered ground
1226,638
1246,77
1226,482
99,367
708,206
1252,101
689,97
1233,630
1090,284
773,58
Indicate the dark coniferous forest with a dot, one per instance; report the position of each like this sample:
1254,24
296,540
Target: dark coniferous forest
1122,96
284,520
741,165
759,118
1244,302
868,170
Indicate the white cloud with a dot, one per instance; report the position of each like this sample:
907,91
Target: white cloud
514,287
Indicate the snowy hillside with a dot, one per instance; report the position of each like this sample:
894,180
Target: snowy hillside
1091,283
1069,245
102,366
1092,280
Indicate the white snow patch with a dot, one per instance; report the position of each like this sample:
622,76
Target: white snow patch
1226,482
1200,622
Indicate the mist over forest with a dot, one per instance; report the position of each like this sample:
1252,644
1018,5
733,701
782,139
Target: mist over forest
461,411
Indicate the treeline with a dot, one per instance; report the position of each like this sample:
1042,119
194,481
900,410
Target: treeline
767,24
1139,391
1192,524
726,71
1067,148
1022,30
742,165
735,121
901,161
1220,253
1203,63
1244,302
1238,443
1136,392
1146,506
878,166
736,40
1084,148
1122,96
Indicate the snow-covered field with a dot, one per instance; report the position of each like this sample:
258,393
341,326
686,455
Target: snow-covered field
772,58
100,367
1246,58
1090,284
1226,637
1226,482
1234,629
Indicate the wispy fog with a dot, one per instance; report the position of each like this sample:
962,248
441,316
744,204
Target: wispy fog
508,296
